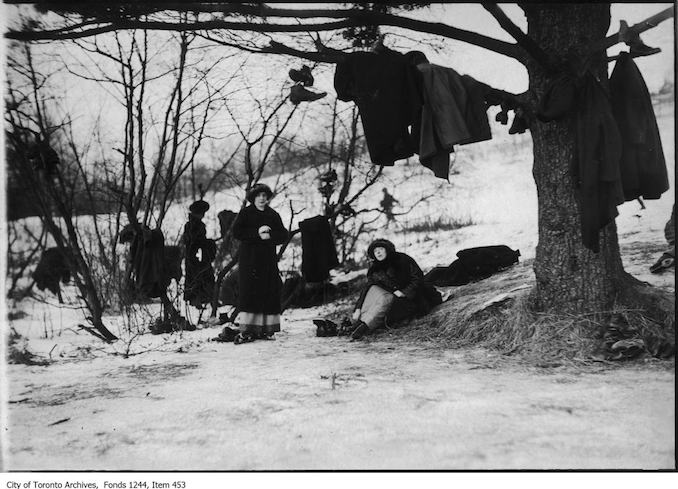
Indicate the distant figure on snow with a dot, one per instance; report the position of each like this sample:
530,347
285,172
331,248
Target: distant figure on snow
386,204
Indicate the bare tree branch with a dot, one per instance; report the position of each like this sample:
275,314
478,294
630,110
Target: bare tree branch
523,40
350,18
640,27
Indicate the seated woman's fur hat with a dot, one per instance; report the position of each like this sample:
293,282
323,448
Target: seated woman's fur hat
383,243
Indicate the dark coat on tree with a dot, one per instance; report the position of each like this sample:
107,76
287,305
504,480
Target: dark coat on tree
383,87
399,271
226,219
259,278
595,167
642,164
199,286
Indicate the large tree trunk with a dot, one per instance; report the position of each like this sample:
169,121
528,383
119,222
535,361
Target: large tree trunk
571,279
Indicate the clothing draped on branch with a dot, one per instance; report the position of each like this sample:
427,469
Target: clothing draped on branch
453,112
619,156
642,164
408,105
408,108
383,87
595,167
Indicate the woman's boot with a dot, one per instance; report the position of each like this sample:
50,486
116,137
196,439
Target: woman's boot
359,331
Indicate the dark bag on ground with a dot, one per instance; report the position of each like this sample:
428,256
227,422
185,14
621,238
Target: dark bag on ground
473,264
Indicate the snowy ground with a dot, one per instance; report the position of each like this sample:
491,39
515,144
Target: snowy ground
180,402
303,402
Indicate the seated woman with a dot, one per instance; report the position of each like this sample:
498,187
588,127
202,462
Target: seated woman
395,290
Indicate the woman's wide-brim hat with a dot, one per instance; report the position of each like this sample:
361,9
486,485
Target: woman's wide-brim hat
199,207
258,189
383,243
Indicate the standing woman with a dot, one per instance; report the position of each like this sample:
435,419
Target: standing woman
259,229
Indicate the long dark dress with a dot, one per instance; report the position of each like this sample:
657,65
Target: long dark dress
259,277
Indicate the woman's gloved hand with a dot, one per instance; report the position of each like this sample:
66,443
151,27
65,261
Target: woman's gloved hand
397,293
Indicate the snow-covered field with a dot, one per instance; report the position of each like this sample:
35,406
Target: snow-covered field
180,402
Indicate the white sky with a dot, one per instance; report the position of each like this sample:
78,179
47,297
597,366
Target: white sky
502,72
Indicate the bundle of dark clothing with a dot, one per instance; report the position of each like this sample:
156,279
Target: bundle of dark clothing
297,292
226,220
51,271
394,93
151,274
200,251
44,158
318,255
473,264
619,156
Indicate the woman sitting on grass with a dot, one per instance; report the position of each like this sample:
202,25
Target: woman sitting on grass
395,290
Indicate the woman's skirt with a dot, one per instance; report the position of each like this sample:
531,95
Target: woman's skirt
258,323
375,306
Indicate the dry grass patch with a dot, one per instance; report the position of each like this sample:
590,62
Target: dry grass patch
494,314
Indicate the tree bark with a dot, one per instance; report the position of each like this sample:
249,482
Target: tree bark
570,278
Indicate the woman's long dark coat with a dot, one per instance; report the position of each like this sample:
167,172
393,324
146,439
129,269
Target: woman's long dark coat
259,278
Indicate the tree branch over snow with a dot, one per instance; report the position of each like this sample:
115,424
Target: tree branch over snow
640,27
111,16
523,40
350,18
325,55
